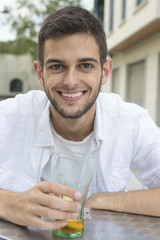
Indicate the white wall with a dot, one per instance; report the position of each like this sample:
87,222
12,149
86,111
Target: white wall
16,66
136,19
149,51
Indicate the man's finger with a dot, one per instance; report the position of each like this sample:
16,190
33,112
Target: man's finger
47,225
52,201
59,189
49,213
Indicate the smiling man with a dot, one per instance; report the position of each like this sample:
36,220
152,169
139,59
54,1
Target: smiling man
71,115
72,75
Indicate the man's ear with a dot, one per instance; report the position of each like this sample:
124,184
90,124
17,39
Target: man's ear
107,68
39,72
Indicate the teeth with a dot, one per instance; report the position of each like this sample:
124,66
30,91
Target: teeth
72,95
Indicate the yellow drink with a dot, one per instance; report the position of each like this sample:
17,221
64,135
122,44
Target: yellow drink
74,227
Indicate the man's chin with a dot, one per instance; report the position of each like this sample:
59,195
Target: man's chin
73,112
68,115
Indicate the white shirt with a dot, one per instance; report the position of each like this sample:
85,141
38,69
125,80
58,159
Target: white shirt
124,138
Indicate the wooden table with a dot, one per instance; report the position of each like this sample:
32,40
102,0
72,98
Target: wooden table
104,225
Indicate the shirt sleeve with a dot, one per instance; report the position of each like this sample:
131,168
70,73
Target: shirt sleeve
146,151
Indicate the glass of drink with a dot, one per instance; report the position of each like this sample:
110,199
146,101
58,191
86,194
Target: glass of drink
73,170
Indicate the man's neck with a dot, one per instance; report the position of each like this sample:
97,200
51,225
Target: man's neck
73,129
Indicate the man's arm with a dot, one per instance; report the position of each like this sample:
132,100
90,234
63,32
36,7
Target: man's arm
145,202
28,208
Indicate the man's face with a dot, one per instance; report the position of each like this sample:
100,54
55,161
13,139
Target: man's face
72,74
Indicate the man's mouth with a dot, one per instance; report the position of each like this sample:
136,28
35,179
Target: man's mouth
72,95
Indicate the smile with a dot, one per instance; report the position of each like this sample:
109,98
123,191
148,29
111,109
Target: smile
78,94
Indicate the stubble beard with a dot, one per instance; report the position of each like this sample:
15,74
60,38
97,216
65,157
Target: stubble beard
79,113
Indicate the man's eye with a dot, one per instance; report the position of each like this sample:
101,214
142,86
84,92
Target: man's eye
86,65
56,67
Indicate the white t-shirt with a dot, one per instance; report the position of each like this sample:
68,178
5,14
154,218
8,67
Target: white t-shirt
66,146
124,138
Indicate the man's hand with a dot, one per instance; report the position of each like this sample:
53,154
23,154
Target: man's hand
42,201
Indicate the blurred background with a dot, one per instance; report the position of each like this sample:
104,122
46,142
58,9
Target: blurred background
20,21
133,35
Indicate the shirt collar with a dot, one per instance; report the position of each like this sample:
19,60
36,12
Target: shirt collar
45,136
98,124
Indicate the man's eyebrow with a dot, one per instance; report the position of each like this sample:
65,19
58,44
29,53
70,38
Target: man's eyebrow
87,60
53,60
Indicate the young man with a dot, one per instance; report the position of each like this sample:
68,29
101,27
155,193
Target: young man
71,115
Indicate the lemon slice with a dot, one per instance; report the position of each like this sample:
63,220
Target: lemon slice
68,198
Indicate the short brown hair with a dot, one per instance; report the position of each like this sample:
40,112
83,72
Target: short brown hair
70,20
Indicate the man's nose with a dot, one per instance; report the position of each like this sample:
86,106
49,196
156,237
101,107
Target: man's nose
70,77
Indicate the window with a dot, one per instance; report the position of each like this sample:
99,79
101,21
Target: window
136,83
111,15
138,2
99,9
115,81
16,85
123,9
158,96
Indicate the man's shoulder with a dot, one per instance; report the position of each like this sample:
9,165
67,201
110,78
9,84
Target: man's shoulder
31,102
112,104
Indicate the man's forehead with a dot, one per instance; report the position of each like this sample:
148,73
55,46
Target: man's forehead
76,39
77,46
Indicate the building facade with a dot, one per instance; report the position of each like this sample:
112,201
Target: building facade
133,34
16,75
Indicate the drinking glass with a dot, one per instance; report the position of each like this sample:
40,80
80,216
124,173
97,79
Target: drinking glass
72,170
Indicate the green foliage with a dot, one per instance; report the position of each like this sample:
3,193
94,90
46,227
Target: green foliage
26,22
21,45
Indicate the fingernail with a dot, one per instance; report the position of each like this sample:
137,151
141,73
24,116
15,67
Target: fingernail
77,195
75,215
63,224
